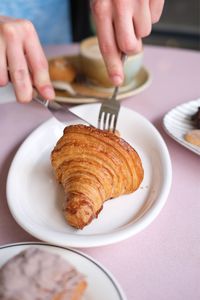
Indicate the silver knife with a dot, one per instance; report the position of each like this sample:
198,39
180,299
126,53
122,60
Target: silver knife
58,110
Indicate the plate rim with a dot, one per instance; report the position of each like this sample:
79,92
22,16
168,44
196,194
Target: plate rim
122,96
174,137
109,238
73,56
99,265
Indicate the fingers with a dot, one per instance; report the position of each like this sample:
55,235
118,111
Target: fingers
156,8
21,53
116,33
121,24
124,30
38,63
105,31
17,66
142,19
3,64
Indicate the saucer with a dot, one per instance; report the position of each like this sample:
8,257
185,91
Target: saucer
100,281
87,92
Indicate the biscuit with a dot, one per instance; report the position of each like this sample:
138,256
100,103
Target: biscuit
193,137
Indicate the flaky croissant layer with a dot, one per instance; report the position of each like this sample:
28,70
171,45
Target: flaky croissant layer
93,166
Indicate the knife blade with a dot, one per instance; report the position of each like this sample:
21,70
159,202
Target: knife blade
59,110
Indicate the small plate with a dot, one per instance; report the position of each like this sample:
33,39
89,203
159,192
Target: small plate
100,281
89,93
177,122
35,198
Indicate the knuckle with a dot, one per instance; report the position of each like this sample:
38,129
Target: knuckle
43,64
112,68
106,49
8,30
119,8
26,25
19,75
100,8
41,77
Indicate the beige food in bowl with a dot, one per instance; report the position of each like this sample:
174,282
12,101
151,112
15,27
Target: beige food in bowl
93,66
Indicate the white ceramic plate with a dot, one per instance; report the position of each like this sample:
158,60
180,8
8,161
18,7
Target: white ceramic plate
177,122
35,198
100,282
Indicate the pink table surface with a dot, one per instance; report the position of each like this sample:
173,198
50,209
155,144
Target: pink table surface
163,261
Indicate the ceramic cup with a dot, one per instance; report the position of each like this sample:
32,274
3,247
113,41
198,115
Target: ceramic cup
93,66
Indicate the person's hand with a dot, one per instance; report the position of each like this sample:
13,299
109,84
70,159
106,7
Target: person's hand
23,60
120,26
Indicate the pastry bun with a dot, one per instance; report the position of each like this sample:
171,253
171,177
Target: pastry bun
93,166
60,69
37,274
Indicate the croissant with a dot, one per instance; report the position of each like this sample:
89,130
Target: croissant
93,166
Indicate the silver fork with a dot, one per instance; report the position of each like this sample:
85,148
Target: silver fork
109,109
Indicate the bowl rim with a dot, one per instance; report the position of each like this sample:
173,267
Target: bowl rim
87,40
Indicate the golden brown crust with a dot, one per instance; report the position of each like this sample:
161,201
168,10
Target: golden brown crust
61,70
93,166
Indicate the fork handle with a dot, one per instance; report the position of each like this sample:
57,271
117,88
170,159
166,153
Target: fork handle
115,92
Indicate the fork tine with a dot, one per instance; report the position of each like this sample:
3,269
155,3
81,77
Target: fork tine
115,122
110,121
110,109
105,120
99,119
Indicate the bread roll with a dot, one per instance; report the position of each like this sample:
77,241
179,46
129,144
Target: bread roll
61,70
